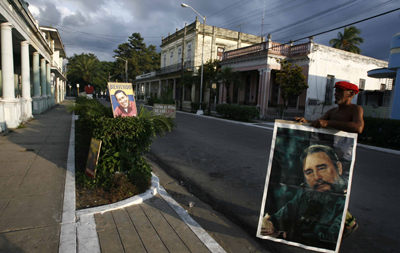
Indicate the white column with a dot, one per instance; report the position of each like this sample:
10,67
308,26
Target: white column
48,84
7,62
26,81
174,90
150,88
10,116
43,81
36,75
57,90
159,89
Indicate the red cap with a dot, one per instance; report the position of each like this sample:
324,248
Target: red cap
347,86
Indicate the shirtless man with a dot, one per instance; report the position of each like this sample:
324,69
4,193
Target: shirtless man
346,117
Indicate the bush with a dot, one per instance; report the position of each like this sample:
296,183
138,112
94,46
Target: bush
195,106
381,132
238,112
153,100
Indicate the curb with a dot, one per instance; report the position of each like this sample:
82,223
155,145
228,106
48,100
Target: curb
78,227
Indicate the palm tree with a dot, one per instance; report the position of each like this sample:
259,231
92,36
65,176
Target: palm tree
229,77
348,40
85,66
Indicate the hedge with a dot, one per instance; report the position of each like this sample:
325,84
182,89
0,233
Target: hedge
381,132
238,112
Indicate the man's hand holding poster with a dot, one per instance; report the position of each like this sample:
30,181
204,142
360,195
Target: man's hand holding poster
307,188
122,99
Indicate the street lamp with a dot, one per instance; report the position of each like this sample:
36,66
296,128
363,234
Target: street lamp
200,111
77,86
126,67
69,85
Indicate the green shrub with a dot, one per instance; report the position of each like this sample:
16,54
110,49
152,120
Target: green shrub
381,132
124,142
238,112
195,106
153,100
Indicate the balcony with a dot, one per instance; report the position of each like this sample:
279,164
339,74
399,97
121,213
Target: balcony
274,48
175,68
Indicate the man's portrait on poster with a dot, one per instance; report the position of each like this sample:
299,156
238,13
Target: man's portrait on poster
126,107
307,188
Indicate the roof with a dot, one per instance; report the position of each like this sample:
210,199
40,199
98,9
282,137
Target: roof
55,35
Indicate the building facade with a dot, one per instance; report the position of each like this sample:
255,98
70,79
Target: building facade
32,65
183,50
322,67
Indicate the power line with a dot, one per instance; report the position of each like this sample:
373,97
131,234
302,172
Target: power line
351,16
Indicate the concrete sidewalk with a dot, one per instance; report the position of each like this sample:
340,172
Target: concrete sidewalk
33,161
37,201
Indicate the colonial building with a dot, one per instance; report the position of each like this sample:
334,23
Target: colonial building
32,65
322,67
183,50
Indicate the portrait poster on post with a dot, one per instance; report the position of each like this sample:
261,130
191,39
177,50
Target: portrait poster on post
307,186
122,99
94,152
164,109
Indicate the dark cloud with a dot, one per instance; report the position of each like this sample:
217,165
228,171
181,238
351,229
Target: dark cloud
285,19
51,14
76,20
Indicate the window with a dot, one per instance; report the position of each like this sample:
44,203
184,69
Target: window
383,86
220,53
361,84
189,52
171,57
330,80
165,60
179,54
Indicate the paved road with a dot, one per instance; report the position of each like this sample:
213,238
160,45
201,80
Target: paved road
225,164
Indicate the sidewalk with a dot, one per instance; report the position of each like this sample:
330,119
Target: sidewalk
37,201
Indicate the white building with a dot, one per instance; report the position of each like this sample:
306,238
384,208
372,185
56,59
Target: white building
183,49
322,66
32,66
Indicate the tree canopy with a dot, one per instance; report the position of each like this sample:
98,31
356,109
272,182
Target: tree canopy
141,59
349,40
292,82
86,69
228,77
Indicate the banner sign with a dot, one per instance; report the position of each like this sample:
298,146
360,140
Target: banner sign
122,99
307,186
94,152
167,110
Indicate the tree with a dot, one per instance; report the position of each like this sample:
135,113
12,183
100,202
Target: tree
228,77
292,82
86,69
141,59
348,40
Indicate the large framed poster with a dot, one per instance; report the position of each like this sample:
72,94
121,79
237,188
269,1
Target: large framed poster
307,186
122,99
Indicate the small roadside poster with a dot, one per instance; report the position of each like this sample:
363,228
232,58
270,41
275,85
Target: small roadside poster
94,152
122,99
163,109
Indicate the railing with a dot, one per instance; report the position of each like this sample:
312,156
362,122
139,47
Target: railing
274,48
175,68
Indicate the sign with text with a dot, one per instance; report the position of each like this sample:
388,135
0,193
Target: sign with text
307,187
122,99
167,110
94,152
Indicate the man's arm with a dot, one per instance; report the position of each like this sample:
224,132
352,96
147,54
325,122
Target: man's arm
354,126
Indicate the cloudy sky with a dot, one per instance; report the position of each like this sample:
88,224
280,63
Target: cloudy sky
99,26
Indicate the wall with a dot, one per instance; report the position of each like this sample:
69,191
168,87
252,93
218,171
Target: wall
343,65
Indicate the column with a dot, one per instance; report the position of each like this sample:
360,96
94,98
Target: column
7,62
36,105
57,85
9,117
26,82
174,90
136,91
150,88
260,83
266,83
48,85
43,80
159,89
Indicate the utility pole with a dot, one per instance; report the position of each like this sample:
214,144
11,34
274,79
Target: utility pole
183,65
